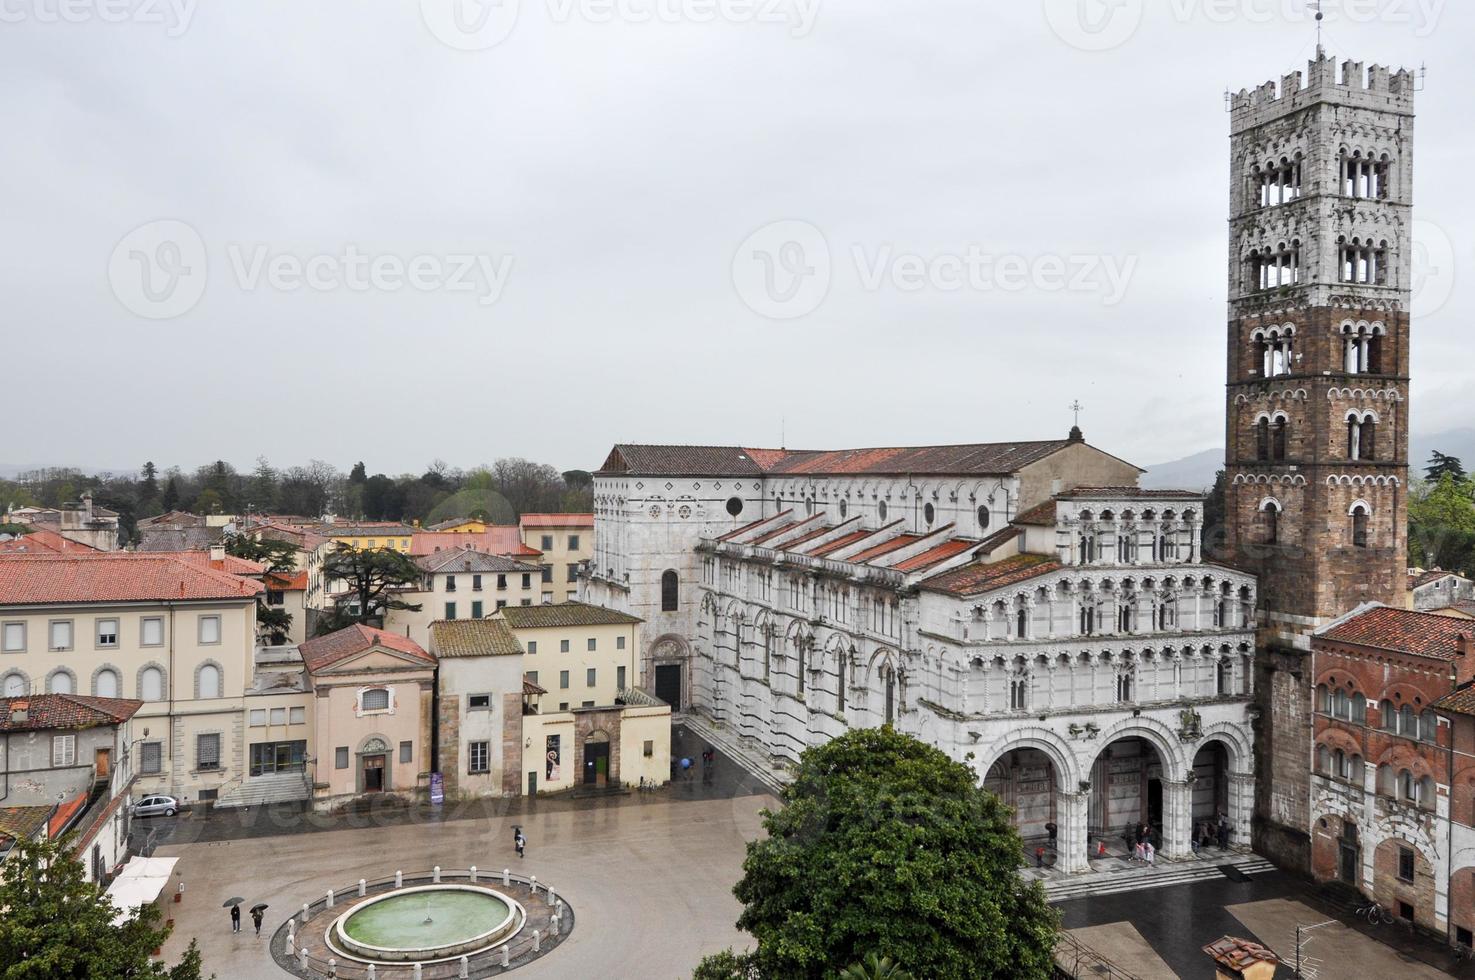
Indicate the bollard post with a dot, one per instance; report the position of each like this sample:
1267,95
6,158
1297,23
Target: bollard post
372,972
330,898
553,925
291,946
332,967
506,877
302,958
560,907
537,940
533,885
552,898
473,874
506,956
435,874
363,888
306,913
417,971
292,926
465,968
399,879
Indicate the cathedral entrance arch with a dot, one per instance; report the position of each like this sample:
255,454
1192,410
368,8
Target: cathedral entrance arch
668,670
1126,789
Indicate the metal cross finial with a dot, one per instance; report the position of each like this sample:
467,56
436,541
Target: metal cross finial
1076,407
1316,6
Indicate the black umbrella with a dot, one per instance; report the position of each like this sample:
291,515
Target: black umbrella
259,907
231,901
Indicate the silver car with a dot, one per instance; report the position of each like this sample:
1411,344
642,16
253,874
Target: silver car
156,806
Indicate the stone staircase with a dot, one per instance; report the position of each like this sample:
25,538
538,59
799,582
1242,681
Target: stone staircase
284,787
1136,877
758,766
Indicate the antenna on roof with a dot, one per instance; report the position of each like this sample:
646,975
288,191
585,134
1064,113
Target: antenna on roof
1316,6
782,432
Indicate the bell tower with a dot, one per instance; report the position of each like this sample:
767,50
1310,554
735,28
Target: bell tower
1316,464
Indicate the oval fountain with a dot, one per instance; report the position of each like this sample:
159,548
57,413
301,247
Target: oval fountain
426,923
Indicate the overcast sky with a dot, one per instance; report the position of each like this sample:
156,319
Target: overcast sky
569,223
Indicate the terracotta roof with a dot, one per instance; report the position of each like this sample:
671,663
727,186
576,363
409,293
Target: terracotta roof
531,687
932,556
807,536
977,458
178,538
738,532
840,542
114,577
470,560
287,581
1238,954
1460,701
1040,515
1427,577
992,542
564,614
23,822
556,520
885,547
366,529
979,578
770,535
325,651
1402,631
66,711
173,518
472,638
230,563
497,539
65,813
43,541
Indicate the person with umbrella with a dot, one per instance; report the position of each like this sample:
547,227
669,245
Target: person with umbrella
234,904
258,912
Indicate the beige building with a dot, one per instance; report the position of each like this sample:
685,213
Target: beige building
583,655
479,703
173,633
565,541
371,731
461,583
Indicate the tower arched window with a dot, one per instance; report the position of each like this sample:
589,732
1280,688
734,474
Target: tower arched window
1270,521
1362,348
1277,181
1262,440
670,590
1364,176
1362,260
1362,436
1279,435
1360,518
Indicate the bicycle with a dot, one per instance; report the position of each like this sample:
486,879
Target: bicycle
1375,914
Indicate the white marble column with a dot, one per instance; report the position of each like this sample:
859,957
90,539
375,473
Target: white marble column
1177,818
1072,838
1241,806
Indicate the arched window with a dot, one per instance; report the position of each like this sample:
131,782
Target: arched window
1323,699
60,682
1019,693
983,517
106,684
1387,716
151,684
1323,760
1262,440
1387,784
1359,708
1339,764
15,686
1021,623
881,510
1270,521
1426,792
1408,723
374,699
1362,348
670,590
1341,705
929,513
1408,787
208,681
844,507
1278,434
1428,726
1359,526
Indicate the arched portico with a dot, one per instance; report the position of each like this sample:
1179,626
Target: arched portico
1223,783
1035,772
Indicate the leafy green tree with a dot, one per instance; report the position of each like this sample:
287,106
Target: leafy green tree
59,926
277,556
728,965
886,845
358,474
261,489
1215,533
148,488
1441,523
273,623
875,967
171,494
1441,466
372,575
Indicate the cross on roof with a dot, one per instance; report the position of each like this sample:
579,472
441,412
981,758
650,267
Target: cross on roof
1076,407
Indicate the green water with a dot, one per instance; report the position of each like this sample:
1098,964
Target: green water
399,922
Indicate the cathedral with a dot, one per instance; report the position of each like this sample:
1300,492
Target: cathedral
1026,605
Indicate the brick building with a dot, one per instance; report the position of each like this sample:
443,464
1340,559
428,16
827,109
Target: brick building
1393,760
1317,361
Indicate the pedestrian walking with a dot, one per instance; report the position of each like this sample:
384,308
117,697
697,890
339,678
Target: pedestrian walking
521,843
1149,853
256,916
1224,835
235,918
1039,857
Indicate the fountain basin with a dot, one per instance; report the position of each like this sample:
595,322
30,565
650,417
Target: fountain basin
427,922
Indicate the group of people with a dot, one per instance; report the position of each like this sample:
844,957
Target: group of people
1143,840
1208,832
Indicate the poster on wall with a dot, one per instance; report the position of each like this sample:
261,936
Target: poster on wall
437,788
554,746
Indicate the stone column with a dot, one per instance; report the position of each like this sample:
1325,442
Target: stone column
1177,817
1072,838
1241,806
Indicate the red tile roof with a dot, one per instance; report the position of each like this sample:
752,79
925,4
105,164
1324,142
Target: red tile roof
744,529
230,563
840,542
807,536
770,535
1040,515
42,541
287,581
1459,702
66,711
978,578
885,548
64,814
1403,631
932,556
556,520
498,539
324,651
114,577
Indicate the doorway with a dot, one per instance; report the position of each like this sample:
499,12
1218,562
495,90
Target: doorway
373,774
1347,862
103,763
668,684
596,761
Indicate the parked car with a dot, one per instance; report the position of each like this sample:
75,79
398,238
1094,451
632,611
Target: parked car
156,806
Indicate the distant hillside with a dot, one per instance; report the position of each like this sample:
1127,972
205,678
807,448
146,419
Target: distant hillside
1197,472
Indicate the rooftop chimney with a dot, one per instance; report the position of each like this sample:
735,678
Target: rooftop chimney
217,552
20,712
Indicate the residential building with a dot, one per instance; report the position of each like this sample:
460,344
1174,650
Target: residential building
1392,764
494,539
1316,457
368,535
1437,590
371,731
565,541
479,707
176,530
584,655
66,767
40,540
462,584
172,632
460,525
287,592
80,521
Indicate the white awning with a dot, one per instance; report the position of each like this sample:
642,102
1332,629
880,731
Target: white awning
139,883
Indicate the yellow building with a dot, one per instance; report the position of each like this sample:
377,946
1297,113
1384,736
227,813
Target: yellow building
368,536
584,656
566,541
460,525
462,584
